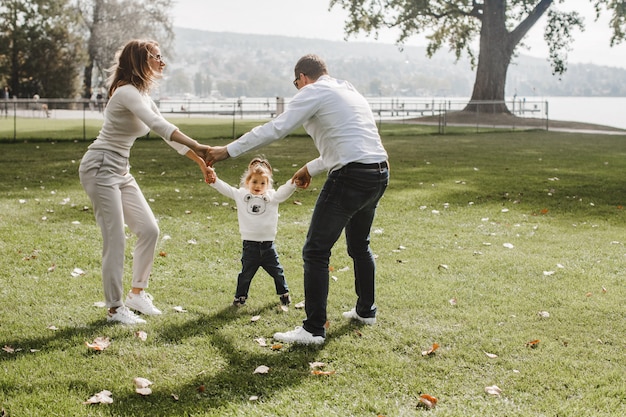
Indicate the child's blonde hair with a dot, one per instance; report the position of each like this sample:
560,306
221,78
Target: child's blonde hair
258,166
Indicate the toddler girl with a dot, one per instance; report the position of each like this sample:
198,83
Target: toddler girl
257,212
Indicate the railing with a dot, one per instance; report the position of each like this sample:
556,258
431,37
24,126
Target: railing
434,111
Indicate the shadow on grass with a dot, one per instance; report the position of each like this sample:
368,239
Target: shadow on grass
224,391
231,386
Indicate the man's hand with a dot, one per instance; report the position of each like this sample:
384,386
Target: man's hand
216,154
301,178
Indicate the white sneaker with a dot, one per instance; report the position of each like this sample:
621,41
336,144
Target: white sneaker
353,315
299,335
125,316
142,302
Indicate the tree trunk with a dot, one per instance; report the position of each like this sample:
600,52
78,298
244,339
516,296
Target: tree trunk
493,61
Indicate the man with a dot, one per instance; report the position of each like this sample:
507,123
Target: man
343,128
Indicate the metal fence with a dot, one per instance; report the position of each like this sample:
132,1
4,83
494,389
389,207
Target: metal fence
433,111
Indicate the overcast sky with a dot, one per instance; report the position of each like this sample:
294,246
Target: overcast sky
311,19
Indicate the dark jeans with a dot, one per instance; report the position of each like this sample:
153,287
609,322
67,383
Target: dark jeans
347,201
255,255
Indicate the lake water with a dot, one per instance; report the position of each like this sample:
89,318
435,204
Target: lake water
608,111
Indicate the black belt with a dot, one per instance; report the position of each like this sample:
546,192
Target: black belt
376,165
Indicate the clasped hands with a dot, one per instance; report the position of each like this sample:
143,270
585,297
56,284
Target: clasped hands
213,154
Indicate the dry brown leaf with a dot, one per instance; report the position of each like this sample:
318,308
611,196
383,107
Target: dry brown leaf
141,335
532,344
427,401
99,343
277,346
103,397
8,349
322,373
430,351
327,325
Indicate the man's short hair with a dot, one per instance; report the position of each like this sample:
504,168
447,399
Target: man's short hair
312,66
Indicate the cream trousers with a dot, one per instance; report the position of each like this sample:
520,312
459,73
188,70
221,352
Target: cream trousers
117,200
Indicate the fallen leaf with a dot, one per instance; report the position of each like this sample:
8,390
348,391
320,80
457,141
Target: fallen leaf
323,373
452,301
179,309
99,343
493,390
52,268
508,245
8,349
491,355
261,370
255,318
201,388
174,397
544,314
548,273
76,272
443,267
327,324
427,401
103,397
603,290
297,203
261,341
299,305
277,346
284,308
143,391
162,254
99,304
141,335
532,344
314,365
253,398
430,351
53,328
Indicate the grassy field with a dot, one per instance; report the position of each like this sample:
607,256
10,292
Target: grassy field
504,249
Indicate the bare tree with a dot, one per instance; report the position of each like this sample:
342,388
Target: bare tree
111,23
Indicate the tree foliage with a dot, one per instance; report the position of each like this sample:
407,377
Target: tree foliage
495,27
45,44
40,53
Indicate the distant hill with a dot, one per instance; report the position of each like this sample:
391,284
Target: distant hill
235,65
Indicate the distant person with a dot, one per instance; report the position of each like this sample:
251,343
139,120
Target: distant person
5,99
114,192
257,211
344,130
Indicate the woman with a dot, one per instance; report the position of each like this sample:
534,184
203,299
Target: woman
114,193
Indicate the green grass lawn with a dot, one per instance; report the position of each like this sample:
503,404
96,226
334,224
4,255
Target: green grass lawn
485,243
